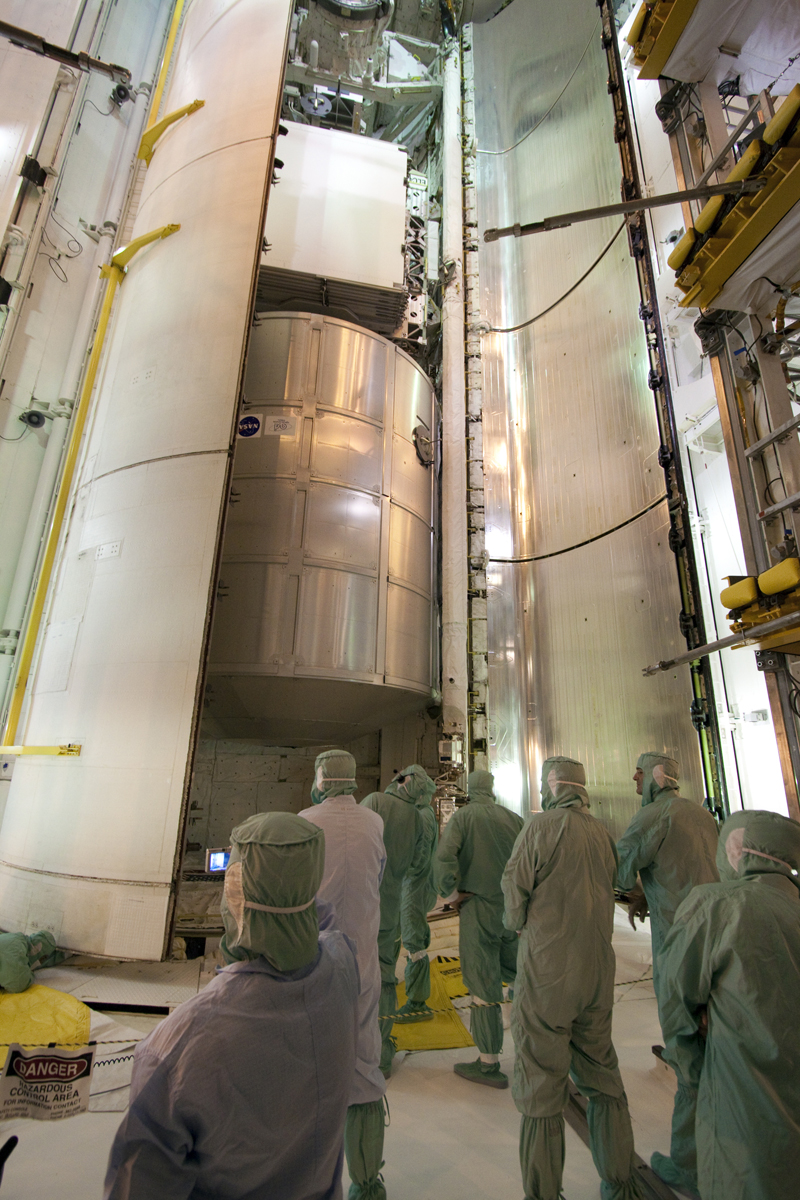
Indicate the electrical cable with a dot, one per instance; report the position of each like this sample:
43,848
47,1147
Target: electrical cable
768,489
555,304
794,694
55,267
533,128
578,545
102,114
16,439
68,254
70,237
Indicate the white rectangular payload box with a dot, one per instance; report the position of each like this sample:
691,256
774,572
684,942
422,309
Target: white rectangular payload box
339,211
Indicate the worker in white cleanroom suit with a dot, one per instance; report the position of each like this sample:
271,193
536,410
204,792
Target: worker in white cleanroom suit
242,1092
354,860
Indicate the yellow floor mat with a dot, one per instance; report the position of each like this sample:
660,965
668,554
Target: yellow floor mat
450,971
446,1031
41,1015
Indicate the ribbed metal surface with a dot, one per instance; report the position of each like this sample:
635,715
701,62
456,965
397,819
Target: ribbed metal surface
327,559
570,433
377,308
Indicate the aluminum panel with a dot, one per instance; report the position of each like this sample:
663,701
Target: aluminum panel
343,525
569,430
337,620
254,619
413,397
411,482
348,451
409,550
353,374
276,360
260,517
408,641
270,453
567,401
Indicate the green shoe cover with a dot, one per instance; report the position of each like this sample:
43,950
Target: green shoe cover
374,1189
413,1010
672,1174
480,1072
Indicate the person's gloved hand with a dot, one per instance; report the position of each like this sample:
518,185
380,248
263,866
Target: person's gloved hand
702,1021
637,907
462,898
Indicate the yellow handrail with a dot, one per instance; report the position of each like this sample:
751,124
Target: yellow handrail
155,104
70,750
114,273
154,132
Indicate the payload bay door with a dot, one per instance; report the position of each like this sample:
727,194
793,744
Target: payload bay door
89,844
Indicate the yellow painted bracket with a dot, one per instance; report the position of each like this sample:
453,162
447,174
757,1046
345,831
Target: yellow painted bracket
151,135
744,229
71,750
114,273
659,34
125,253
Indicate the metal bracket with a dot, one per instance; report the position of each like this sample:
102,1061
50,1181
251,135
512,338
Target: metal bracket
777,435
627,208
774,509
83,62
150,136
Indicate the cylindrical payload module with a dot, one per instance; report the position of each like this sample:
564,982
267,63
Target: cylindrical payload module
323,628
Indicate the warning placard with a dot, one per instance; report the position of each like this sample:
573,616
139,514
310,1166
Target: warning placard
45,1084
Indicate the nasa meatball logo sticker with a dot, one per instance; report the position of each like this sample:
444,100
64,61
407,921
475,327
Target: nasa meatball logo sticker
251,425
45,1084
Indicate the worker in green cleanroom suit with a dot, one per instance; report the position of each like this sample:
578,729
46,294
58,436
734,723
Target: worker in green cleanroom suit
474,850
21,955
418,898
671,844
730,973
559,890
404,841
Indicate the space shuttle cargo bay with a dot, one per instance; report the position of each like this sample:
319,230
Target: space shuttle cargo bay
255,592
352,473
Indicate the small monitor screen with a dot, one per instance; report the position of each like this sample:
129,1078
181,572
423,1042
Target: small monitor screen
218,860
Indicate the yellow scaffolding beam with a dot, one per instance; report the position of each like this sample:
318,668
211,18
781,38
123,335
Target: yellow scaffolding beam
658,32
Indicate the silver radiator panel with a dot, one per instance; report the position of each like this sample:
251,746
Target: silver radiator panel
570,433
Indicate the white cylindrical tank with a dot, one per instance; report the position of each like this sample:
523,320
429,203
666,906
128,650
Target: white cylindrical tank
324,619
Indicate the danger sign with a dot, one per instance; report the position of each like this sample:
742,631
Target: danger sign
45,1084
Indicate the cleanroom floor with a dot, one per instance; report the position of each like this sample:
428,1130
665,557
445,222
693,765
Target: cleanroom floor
448,1139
